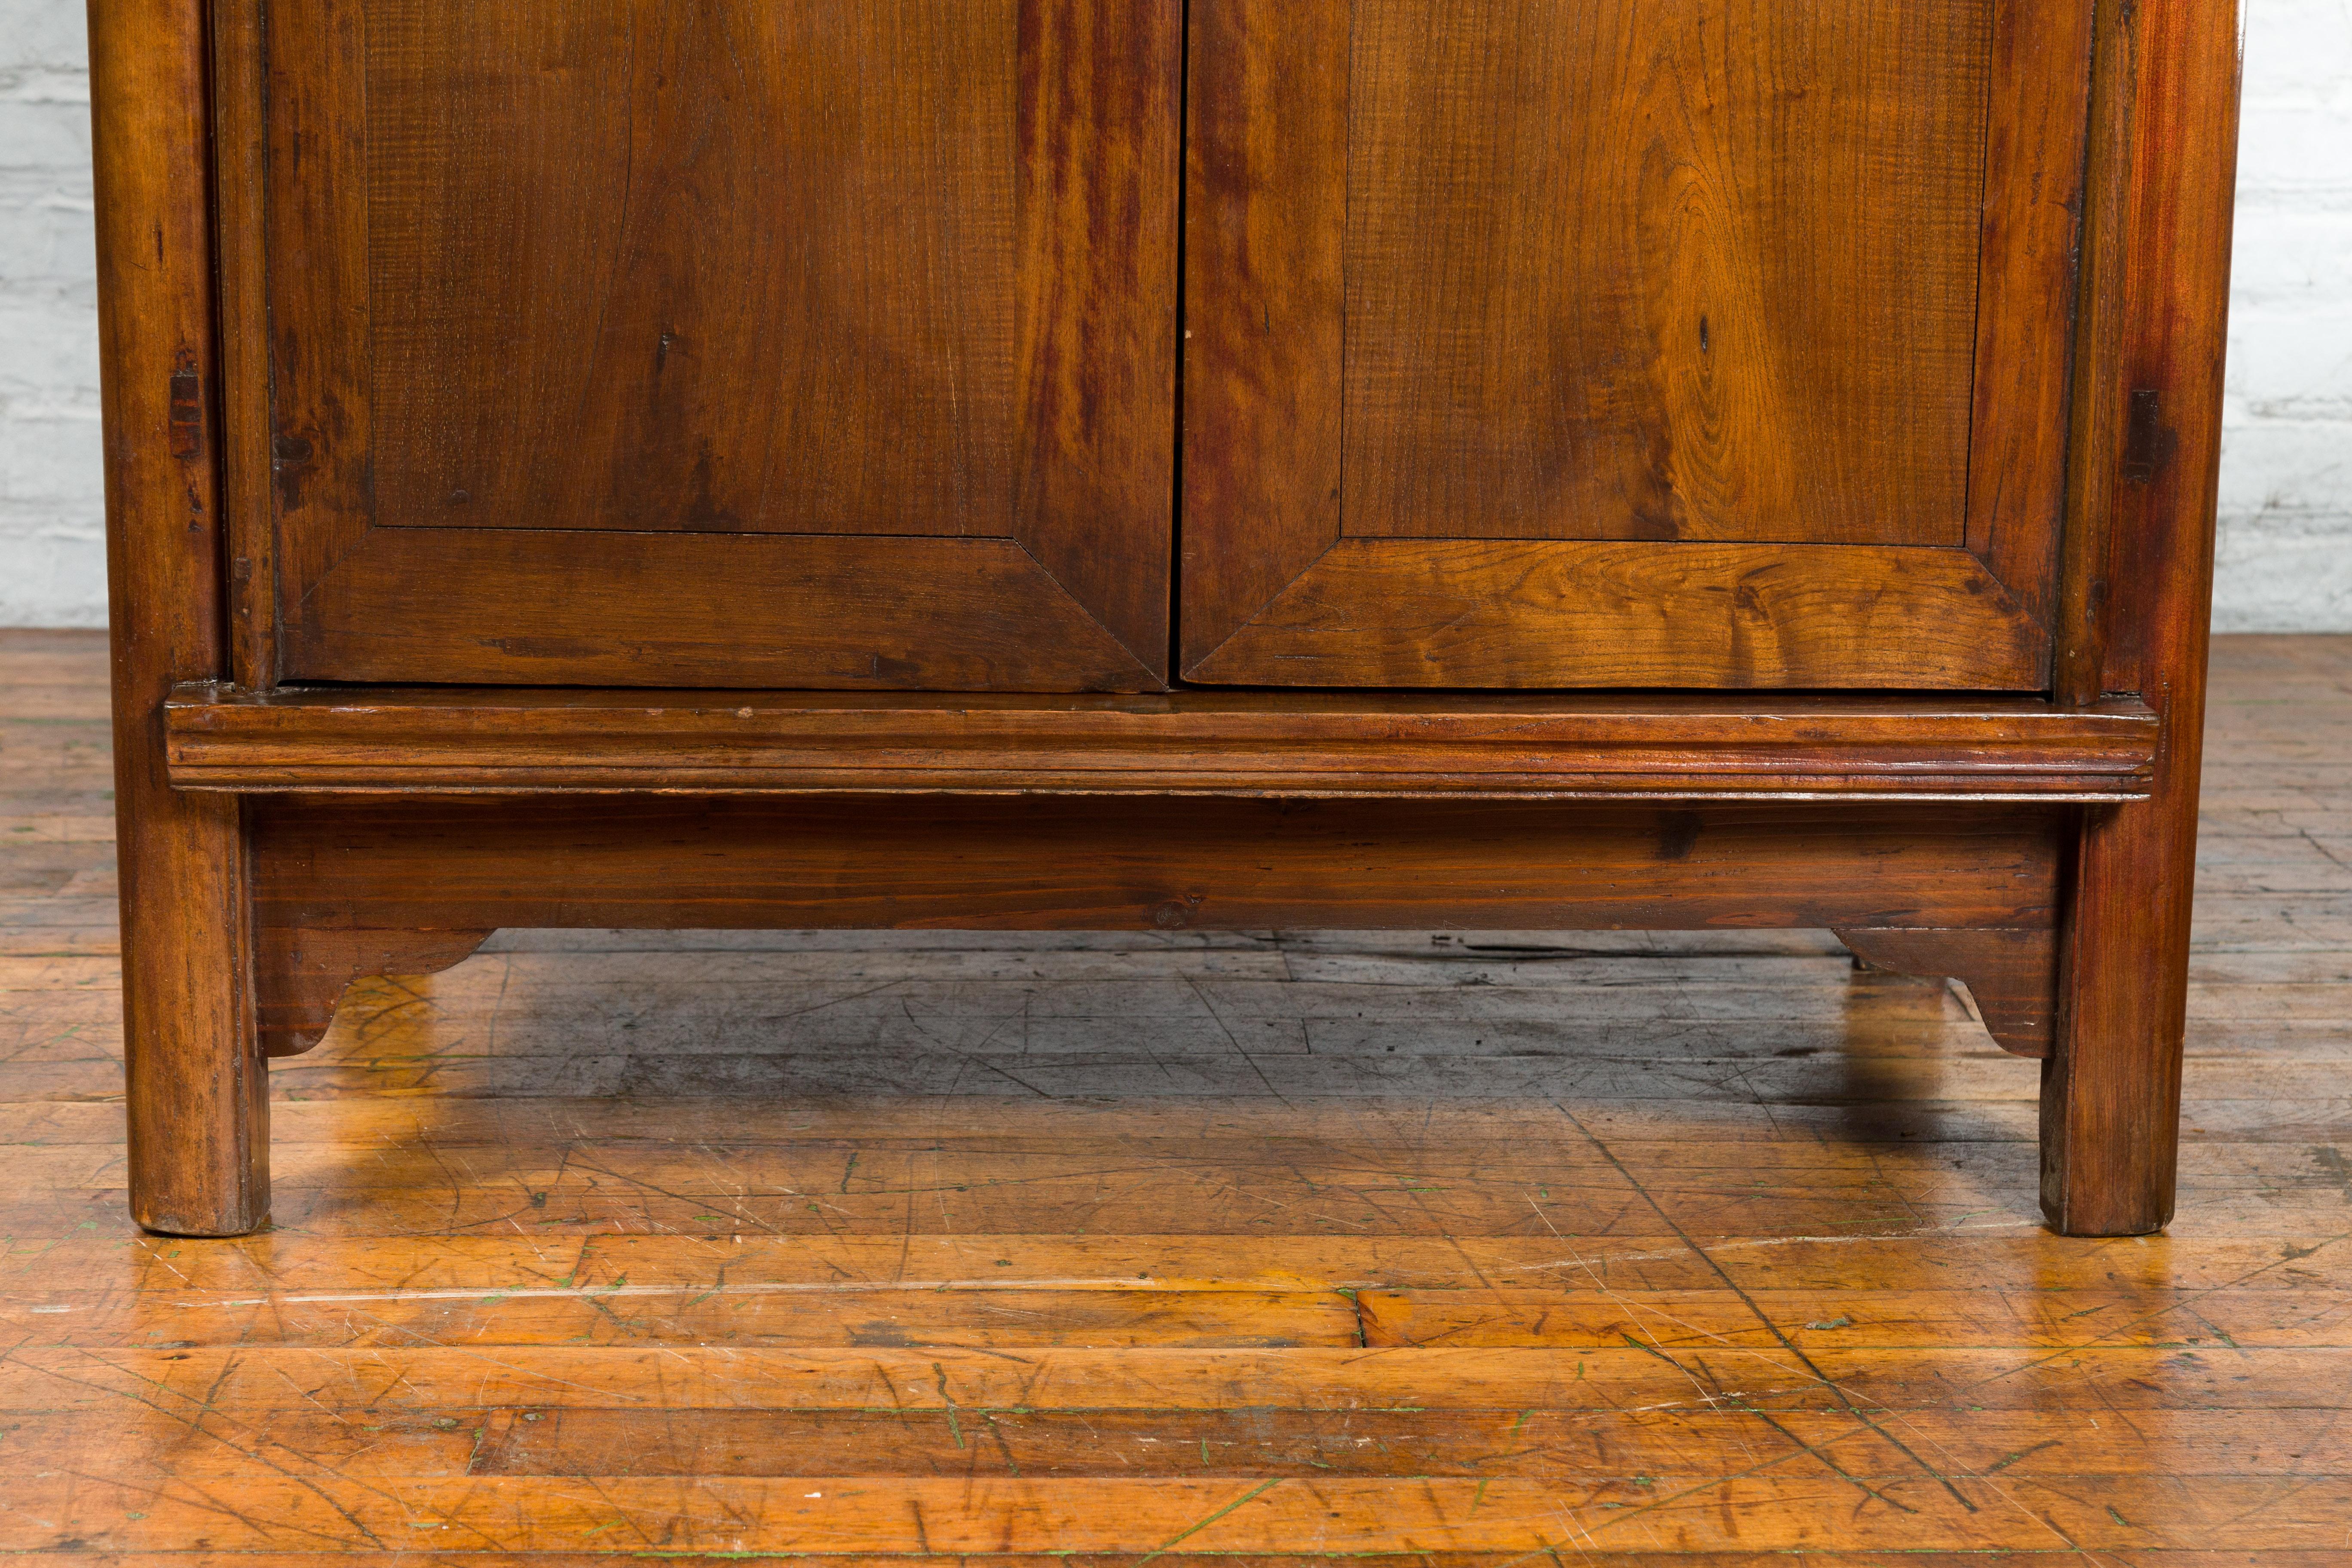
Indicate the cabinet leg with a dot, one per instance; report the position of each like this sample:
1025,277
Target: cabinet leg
195,1089
197,1084
2111,1093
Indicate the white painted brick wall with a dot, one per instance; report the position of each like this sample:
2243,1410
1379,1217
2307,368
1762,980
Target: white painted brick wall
52,552
2287,479
2286,446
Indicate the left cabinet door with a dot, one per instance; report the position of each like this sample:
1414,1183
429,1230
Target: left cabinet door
823,344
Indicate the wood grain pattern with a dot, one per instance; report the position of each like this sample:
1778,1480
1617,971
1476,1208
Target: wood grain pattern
1525,277
606,1237
315,209
1095,864
1685,270
240,235
510,296
529,606
2097,414
566,327
193,1087
2164,156
1216,1516
2011,975
1100,172
1264,306
1691,747
300,973
1503,613
2027,294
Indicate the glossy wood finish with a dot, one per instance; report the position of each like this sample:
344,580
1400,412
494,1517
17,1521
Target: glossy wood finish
2011,976
924,442
320,151
301,972
352,889
521,606
1671,271
2028,285
1193,743
348,888
1739,290
550,214
1089,864
195,1094
1510,615
1701,1250
240,156
2164,161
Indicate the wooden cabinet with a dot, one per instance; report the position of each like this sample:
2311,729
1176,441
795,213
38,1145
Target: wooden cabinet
1049,464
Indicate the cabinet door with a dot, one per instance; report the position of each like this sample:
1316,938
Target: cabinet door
1628,342
755,343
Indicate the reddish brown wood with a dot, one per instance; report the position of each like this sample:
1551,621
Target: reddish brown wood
1040,863
320,431
1264,305
1142,1265
1664,345
195,1091
924,441
1097,170
239,165
2011,975
302,971
2095,410
1190,744
537,606
1664,269
488,262
1530,613
2163,161
2026,295
559,202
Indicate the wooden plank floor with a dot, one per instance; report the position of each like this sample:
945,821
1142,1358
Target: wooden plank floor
1444,1248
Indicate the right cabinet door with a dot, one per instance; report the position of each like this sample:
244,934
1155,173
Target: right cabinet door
1628,342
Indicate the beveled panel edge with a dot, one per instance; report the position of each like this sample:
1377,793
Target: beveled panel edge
834,611
1552,614
1602,746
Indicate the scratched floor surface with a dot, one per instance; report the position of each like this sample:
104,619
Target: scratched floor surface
1451,1249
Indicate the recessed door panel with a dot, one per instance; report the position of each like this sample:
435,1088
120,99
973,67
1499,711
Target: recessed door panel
815,342
1695,342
